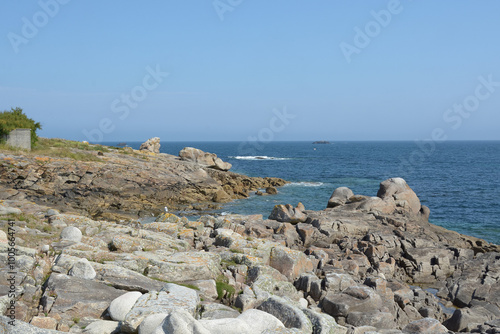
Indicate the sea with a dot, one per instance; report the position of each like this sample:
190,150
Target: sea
458,180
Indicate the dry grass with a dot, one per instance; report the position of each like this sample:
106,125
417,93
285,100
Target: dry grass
61,148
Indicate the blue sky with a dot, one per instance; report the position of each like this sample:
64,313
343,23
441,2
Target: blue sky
234,65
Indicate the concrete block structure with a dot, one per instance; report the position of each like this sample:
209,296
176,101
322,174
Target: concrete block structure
19,138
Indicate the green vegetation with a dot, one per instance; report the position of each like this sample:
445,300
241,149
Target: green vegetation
186,285
224,290
21,217
47,143
16,119
60,148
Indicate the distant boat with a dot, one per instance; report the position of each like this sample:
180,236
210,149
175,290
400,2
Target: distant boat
321,142
121,144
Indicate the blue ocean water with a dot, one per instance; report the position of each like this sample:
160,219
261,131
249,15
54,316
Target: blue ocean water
458,181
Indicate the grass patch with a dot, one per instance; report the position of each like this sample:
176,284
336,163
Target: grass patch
224,290
61,148
228,263
190,286
47,143
5,147
29,219
236,251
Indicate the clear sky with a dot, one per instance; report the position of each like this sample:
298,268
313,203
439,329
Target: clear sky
333,70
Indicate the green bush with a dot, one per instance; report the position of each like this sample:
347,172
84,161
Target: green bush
16,119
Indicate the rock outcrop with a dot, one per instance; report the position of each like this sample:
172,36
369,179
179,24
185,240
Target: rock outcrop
345,269
124,184
394,196
151,145
209,160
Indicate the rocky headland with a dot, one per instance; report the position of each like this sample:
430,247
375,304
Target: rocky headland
362,265
122,183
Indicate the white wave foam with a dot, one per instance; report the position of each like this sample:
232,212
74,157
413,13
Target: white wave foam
257,157
305,184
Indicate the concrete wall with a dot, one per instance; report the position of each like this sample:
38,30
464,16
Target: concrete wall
20,138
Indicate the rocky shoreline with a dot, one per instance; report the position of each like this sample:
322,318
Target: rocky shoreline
125,184
362,265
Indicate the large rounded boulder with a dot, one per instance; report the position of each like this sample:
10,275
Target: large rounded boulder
396,189
204,158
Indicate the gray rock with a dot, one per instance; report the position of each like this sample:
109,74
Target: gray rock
122,305
7,210
52,212
151,323
353,299
170,297
467,319
397,189
249,322
151,145
212,311
126,279
71,233
309,283
246,300
290,316
291,263
82,269
323,323
339,197
21,327
306,232
271,190
287,214
203,158
425,326
207,288
377,319
187,266
376,204
260,321
267,285
181,321
335,282
44,322
103,327
78,298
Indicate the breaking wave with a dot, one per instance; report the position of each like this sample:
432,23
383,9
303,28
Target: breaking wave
257,157
305,184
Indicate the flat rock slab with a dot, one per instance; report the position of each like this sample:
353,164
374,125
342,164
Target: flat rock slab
21,327
291,263
186,266
78,298
291,316
126,279
171,297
